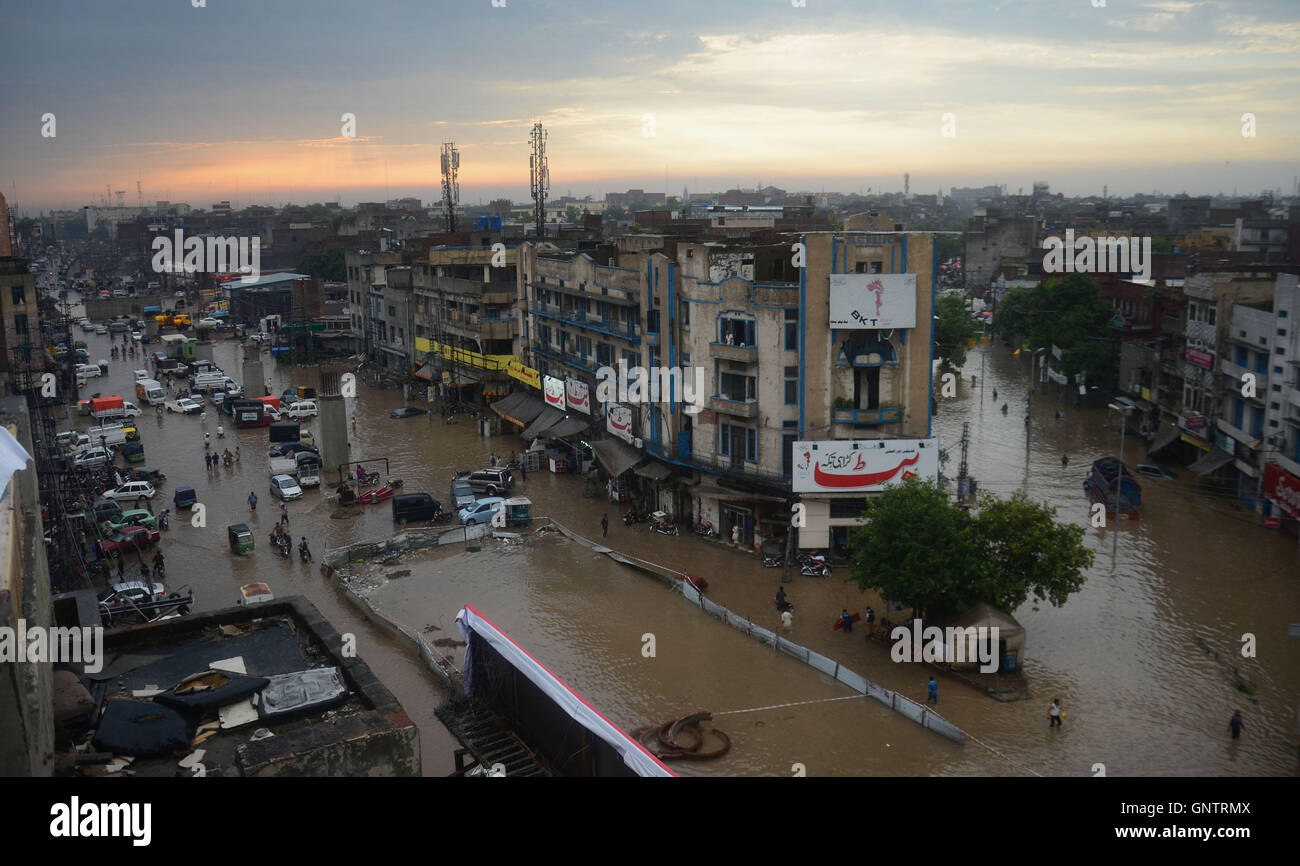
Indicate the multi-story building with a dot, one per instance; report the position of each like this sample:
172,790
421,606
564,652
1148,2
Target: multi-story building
22,349
754,318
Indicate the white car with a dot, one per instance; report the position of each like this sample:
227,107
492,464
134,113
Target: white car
141,374
88,370
180,294
209,323
259,337
131,491
137,336
286,487
302,409
92,458
100,329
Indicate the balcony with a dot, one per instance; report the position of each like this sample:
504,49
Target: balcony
725,465
863,417
1236,372
499,329
727,352
739,408
1242,437
573,360
630,331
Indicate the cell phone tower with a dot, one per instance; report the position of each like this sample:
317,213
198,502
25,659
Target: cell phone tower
450,183
539,177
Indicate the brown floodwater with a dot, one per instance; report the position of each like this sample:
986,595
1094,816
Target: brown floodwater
1141,696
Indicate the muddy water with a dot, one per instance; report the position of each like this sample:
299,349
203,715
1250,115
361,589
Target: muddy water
1141,697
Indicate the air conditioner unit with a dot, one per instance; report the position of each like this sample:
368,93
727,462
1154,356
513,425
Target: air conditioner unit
636,442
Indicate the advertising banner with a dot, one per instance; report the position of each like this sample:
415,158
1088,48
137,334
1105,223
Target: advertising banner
862,466
618,420
553,390
1283,489
527,375
1200,358
870,301
577,395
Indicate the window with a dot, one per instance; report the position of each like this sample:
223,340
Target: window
1275,406
1238,413
604,354
652,319
1280,350
392,311
19,295
736,332
686,359
791,330
20,323
1281,314
751,444
1277,369
1243,357
791,391
1256,422
1281,332
876,267
1277,388
685,314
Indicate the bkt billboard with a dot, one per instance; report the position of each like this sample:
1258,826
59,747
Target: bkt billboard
869,301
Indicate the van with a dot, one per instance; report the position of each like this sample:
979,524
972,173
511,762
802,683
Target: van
209,382
302,409
111,434
150,392
283,431
414,507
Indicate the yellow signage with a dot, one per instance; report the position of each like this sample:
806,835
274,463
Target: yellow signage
493,363
527,375
422,344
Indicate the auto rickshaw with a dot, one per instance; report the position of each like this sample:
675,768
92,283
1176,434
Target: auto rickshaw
133,452
519,510
347,494
184,497
241,538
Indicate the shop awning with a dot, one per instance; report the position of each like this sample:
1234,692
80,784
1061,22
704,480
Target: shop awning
616,457
722,494
654,470
425,373
567,427
543,422
1214,460
519,408
1165,436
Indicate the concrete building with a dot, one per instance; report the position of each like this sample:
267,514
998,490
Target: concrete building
21,345
996,238
1186,214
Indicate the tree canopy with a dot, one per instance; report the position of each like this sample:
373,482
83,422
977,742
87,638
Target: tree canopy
325,265
923,550
953,329
1066,312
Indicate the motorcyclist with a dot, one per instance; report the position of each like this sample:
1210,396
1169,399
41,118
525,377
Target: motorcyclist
303,548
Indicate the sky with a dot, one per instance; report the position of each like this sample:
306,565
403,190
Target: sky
243,100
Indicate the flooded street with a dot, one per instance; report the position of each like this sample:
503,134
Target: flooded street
1122,655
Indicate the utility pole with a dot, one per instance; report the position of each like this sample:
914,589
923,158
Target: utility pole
450,183
539,177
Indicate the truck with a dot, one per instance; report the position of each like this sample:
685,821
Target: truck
283,466
249,413
150,392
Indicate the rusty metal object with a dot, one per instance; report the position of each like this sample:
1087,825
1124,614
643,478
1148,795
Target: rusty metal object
662,740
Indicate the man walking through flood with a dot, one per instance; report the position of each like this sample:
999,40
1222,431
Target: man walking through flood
604,525
1236,724
934,691
1054,714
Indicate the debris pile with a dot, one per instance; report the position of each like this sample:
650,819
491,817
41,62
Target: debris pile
663,741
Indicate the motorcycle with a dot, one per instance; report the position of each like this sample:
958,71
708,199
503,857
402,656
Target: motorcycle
815,569
705,529
304,554
159,571
163,522
783,607
773,560
368,479
281,544
440,516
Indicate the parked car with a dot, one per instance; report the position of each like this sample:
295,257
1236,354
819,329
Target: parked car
302,409
407,412
290,449
105,509
286,487
493,482
92,458
90,370
131,491
209,323
130,517
414,507
481,511
129,538
100,329
1151,470
461,493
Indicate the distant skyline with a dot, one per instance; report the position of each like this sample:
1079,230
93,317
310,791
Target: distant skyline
243,101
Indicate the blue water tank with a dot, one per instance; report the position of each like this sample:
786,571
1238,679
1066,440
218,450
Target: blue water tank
495,222
480,223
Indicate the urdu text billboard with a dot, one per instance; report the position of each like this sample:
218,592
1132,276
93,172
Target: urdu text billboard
862,465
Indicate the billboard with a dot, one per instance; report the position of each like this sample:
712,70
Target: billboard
618,420
1283,489
553,390
862,465
577,395
869,301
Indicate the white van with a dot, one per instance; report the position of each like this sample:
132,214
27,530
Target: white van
302,410
110,434
88,370
150,392
209,382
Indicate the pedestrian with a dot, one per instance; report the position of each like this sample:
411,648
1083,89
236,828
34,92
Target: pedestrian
1004,408
494,460
523,470
207,462
847,619
83,541
236,453
1065,459
787,620
1235,724
604,525
1054,714
203,417
934,690
284,514
995,395
871,621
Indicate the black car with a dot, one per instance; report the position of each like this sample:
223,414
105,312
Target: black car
407,412
290,449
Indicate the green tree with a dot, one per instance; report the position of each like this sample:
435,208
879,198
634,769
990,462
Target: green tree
922,550
916,548
1014,315
952,330
1024,550
325,265
572,214
617,212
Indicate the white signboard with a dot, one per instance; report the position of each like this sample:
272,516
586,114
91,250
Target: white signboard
577,395
868,301
554,391
618,420
862,465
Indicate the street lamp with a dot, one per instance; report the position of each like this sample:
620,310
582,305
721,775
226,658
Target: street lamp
1119,473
